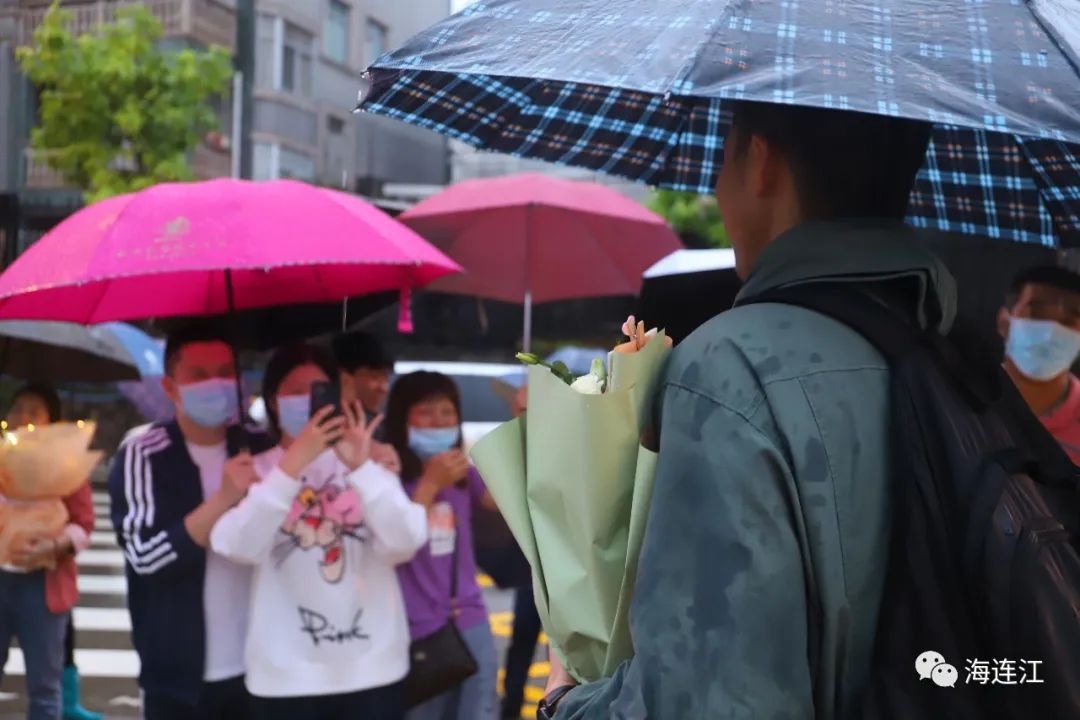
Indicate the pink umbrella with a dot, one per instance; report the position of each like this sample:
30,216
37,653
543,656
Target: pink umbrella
210,247
534,238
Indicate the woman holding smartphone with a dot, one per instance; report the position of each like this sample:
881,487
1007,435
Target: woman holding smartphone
423,423
325,525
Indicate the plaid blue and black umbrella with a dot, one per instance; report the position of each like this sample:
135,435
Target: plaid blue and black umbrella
642,90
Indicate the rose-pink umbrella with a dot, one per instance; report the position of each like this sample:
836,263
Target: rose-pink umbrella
207,248
535,238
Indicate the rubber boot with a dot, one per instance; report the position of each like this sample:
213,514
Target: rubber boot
73,709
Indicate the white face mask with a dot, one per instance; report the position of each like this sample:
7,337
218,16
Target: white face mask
1041,349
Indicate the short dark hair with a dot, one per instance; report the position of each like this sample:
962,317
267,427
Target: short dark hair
283,362
190,335
47,394
845,164
359,349
410,390
1051,275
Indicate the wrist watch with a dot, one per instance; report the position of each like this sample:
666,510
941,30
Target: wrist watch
549,705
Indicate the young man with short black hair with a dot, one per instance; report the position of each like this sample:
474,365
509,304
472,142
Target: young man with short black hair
366,368
762,571
167,488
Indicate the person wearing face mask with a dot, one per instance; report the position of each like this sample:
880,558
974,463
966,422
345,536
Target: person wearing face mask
1041,328
324,526
167,488
423,423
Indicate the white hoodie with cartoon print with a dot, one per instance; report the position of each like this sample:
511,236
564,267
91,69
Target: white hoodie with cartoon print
327,615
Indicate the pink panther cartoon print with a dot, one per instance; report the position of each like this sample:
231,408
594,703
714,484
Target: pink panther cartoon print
324,519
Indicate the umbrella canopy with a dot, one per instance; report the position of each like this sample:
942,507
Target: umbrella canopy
180,249
643,91
271,327
546,237
535,238
681,262
63,352
146,394
146,351
688,288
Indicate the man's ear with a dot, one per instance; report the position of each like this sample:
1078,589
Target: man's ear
168,384
1003,323
764,167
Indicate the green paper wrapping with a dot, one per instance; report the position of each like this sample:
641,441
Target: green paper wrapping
574,484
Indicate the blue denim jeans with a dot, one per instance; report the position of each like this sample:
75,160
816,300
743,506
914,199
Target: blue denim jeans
23,613
476,698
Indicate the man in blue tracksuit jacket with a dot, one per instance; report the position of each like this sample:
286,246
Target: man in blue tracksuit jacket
167,488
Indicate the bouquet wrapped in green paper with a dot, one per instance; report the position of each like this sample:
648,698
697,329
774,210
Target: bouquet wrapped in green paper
574,483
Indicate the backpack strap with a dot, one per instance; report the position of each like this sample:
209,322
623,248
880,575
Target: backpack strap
876,312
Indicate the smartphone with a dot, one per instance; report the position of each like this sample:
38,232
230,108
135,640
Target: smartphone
236,440
326,393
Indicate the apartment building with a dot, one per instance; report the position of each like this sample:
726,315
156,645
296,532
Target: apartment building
310,55
309,59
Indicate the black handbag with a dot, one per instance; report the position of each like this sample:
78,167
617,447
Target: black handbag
440,661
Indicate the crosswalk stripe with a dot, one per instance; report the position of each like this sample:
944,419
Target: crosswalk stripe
105,558
102,537
107,619
101,498
102,584
92,663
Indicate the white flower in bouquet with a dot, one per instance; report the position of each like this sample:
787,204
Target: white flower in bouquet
593,383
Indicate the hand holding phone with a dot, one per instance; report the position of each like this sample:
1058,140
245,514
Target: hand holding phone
325,394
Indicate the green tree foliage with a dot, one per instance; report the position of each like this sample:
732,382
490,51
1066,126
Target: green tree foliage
117,112
692,215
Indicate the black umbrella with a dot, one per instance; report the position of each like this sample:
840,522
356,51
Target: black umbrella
63,352
644,90
267,328
686,289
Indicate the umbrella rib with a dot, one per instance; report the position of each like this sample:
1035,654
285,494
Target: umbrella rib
98,302
633,281
1063,47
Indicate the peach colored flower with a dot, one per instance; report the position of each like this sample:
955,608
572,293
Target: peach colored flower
639,338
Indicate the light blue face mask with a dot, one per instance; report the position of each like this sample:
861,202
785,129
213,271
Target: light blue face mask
429,442
210,403
294,411
1041,349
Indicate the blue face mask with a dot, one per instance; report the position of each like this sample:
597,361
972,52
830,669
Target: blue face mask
429,442
1041,349
211,403
294,411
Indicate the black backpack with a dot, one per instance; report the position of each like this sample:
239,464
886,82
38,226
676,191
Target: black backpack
984,568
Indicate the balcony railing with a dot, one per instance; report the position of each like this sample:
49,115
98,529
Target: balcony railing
205,163
39,174
207,22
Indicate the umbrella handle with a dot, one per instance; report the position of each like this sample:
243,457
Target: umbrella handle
241,438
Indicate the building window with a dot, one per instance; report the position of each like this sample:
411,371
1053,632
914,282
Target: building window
273,161
296,60
263,166
374,41
336,32
295,165
335,125
265,52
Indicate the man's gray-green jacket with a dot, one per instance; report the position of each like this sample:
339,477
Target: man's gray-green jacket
771,507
